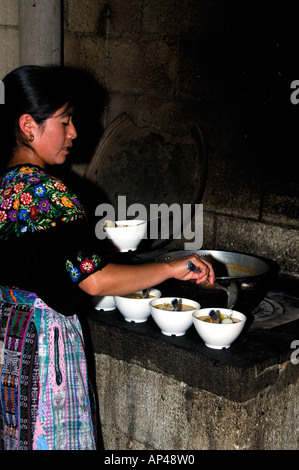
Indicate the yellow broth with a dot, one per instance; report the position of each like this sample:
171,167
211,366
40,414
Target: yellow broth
169,307
137,295
208,319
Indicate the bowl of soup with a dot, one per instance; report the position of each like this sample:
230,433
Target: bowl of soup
135,307
218,327
172,321
125,234
105,302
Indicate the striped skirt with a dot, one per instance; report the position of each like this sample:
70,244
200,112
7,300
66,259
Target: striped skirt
44,396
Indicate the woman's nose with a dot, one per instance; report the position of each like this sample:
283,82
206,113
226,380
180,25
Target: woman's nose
72,131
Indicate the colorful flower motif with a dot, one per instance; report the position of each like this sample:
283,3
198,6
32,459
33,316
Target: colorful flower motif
27,195
74,273
26,199
60,186
6,204
23,214
44,205
3,216
39,190
66,201
34,179
33,212
87,266
6,192
16,204
9,175
13,215
26,169
18,187
76,202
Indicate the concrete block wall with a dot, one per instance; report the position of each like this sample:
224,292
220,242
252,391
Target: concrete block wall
174,65
177,64
162,393
152,411
9,36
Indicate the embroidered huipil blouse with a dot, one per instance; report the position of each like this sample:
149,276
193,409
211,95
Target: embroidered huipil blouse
46,245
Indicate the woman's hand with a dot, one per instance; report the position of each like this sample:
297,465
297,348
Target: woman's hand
181,271
116,279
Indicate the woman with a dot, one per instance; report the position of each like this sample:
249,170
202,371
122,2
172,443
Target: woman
51,263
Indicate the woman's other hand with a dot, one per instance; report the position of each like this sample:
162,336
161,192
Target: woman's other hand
181,271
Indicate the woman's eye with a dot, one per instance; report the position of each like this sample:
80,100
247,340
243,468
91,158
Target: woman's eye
65,123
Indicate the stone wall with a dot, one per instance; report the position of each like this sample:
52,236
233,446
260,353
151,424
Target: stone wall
178,64
9,36
152,411
219,66
173,393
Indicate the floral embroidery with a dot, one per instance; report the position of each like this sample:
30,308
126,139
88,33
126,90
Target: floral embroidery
87,266
23,214
44,205
7,192
26,199
18,187
13,215
26,169
60,186
3,216
33,212
31,200
39,190
6,204
74,272
16,204
84,265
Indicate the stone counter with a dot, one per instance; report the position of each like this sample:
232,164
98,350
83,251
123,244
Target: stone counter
170,393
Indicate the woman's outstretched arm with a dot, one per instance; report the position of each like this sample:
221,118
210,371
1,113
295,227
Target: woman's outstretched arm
116,279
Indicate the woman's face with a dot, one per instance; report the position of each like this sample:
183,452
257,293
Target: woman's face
53,139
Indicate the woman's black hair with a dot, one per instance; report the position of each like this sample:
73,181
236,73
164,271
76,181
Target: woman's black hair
38,91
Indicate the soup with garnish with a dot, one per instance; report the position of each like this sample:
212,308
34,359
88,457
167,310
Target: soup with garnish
169,307
224,320
137,295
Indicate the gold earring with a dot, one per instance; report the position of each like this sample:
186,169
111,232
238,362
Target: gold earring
30,137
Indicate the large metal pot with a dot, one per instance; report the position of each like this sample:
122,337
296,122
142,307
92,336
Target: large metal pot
250,273
226,264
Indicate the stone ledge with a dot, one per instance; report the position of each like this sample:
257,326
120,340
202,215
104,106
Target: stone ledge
253,362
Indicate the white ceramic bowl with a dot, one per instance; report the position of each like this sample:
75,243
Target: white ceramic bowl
104,303
218,335
173,322
136,309
127,234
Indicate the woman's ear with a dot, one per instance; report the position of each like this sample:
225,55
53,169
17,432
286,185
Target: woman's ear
27,126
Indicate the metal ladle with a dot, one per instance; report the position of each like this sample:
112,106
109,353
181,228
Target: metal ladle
145,293
231,290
